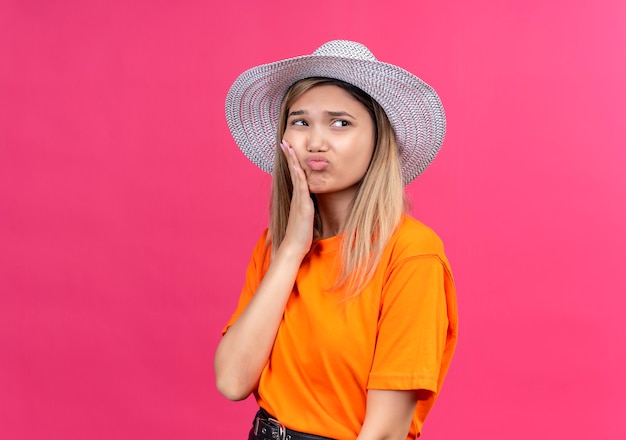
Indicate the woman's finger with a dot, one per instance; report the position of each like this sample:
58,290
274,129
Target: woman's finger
289,156
300,195
298,177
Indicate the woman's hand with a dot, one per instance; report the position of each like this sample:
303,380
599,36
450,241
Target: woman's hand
299,233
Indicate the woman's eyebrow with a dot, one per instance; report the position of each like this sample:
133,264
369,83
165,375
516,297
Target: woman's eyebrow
340,114
334,114
296,113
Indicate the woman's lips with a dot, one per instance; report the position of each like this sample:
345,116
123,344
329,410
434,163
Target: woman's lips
317,164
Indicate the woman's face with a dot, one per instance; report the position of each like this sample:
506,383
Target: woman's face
333,136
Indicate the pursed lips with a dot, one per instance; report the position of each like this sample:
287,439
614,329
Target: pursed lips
317,163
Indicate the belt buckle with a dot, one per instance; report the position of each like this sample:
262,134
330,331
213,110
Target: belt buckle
282,430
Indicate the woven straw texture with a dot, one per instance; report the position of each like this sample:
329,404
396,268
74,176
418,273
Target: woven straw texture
413,107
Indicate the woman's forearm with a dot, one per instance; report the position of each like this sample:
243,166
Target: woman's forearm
245,348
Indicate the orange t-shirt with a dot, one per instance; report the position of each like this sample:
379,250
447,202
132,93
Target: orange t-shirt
398,334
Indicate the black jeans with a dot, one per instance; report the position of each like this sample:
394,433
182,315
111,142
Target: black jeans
266,427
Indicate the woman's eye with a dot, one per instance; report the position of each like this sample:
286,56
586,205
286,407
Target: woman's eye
340,123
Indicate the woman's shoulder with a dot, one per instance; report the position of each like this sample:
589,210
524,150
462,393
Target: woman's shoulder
414,238
261,247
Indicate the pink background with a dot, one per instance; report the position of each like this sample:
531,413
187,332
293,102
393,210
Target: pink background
127,214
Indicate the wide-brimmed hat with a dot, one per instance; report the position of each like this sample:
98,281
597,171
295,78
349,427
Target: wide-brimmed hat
412,106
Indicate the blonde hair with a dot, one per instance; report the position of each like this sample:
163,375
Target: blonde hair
378,204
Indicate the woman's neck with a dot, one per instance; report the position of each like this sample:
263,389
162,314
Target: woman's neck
333,211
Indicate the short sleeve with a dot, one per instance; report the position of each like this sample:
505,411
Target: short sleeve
254,274
414,326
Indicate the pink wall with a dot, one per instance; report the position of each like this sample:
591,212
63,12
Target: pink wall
127,214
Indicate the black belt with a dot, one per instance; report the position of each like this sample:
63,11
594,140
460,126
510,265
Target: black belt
266,427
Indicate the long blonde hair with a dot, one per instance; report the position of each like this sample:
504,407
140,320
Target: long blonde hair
378,204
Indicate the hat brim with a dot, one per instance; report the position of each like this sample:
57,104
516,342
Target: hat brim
412,106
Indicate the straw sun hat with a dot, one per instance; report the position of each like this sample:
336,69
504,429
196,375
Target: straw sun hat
412,106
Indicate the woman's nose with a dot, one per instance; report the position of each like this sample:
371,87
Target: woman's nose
316,141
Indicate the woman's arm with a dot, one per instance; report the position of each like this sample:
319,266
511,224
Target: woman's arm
389,413
245,348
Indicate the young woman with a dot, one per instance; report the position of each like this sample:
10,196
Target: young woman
347,320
